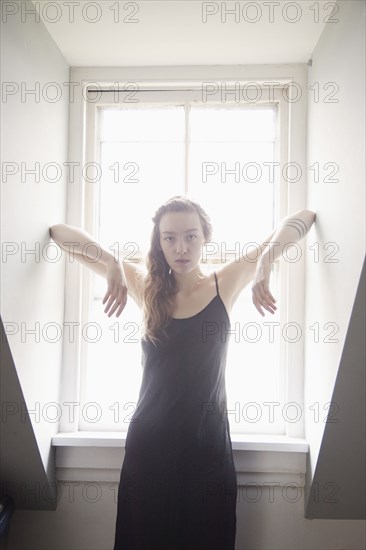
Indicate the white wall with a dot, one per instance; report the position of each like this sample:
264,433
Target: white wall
336,133
34,129
85,519
340,470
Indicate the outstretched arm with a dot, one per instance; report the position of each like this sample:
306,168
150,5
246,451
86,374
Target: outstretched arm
292,229
76,242
255,264
80,245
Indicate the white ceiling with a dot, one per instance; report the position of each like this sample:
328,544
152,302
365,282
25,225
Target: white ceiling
170,32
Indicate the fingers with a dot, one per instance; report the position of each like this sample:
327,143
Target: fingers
109,291
262,297
120,302
258,304
117,299
123,303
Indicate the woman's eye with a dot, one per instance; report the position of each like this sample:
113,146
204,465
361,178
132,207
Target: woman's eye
193,237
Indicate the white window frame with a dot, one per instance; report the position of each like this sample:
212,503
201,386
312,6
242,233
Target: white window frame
292,198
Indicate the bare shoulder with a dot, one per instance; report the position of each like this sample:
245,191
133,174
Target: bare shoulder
135,275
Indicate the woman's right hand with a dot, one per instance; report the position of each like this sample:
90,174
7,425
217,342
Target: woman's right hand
117,289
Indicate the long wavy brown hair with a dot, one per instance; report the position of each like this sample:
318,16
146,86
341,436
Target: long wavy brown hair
159,287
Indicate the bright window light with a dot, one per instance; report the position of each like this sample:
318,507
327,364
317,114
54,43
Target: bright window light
220,155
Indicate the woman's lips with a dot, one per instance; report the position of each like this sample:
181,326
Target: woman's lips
181,261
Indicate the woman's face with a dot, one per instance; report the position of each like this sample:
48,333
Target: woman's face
181,237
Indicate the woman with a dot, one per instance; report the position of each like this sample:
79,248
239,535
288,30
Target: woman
177,487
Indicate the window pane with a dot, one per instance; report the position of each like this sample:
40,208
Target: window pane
142,160
145,123
144,175
254,374
114,372
231,153
234,176
232,124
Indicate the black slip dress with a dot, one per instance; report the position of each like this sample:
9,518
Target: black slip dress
178,486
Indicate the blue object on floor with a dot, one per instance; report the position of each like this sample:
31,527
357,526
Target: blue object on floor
6,511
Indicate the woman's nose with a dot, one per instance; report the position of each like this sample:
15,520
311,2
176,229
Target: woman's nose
181,247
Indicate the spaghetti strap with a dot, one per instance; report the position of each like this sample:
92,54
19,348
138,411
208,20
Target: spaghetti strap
217,287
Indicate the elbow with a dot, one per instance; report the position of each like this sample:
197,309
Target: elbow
54,228
56,225
311,214
309,217
306,216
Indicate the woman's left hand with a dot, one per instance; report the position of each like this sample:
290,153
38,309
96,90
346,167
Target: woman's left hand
261,294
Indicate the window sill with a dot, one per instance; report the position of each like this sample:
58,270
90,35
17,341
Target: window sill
259,459
240,442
